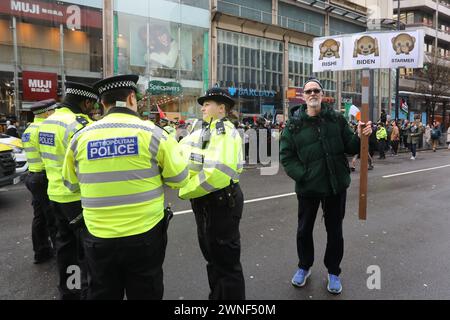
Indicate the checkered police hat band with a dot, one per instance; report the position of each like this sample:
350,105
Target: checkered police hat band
44,110
117,85
80,92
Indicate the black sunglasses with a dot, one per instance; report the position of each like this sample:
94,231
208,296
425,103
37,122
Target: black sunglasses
316,91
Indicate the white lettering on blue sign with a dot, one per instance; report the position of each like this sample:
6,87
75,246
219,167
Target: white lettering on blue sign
26,137
47,139
115,147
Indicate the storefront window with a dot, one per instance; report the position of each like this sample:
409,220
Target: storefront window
166,43
351,87
251,69
55,39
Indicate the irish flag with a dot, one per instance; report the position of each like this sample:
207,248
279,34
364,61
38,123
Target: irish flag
354,111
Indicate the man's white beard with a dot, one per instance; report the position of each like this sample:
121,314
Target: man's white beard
314,104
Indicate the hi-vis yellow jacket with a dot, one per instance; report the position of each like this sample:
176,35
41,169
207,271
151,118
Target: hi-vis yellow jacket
120,164
30,139
171,130
212,168
54,136
381,133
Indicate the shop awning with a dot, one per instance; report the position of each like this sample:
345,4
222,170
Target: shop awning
341,11
409,93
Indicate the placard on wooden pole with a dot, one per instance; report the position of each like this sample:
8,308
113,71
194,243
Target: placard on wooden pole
364,151
364,51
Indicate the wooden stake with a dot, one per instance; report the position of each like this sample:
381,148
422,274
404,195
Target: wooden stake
364,151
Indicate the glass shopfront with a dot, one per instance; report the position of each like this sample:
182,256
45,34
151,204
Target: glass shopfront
251,69
167,44
55,41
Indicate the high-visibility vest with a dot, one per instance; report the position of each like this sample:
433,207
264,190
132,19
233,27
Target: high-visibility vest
30,139
171,130
212,168
54,136
120,164
381,133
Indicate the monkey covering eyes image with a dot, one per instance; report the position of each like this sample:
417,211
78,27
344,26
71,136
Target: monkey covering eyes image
329,48
403,43
366,46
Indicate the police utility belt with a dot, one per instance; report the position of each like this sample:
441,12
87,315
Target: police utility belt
220,198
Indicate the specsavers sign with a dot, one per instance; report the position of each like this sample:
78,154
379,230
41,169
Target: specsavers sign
370,50
156,87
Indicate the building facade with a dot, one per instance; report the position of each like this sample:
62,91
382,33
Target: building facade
166,43
44,43
258,50
424,14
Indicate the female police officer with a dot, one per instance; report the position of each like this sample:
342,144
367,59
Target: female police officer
215,154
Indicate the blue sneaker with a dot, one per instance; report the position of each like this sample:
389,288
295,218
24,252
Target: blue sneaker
334,284
300,277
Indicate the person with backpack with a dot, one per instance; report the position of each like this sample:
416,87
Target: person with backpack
313,152
435,135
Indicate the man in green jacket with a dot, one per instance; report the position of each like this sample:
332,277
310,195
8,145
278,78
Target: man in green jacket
313,152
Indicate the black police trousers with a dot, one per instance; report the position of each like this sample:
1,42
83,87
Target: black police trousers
69,252
130,266
334,210
43,227
220,242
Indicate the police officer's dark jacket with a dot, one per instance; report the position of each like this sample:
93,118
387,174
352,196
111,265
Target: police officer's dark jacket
313,151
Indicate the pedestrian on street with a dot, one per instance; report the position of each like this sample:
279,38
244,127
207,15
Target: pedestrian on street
448,138
119,165
357,156
435,135
383,117
427,137
381,138
406,138
313,152
415,130
54,136
388,128
215,163
11,129
43,228
395,138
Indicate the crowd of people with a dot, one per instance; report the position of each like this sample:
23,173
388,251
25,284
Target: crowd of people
390,136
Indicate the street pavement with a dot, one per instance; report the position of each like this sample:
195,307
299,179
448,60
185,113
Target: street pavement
406,235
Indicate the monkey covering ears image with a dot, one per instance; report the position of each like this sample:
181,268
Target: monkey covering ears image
403,43
329,48
366,46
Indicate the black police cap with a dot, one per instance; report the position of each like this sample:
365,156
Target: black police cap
127,81
43,106
218,95
81,90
